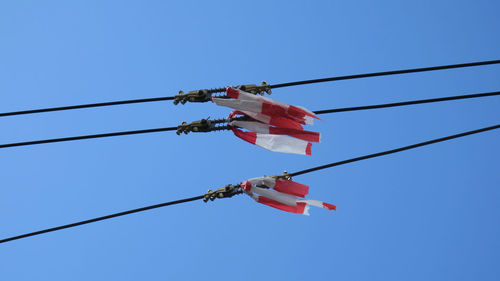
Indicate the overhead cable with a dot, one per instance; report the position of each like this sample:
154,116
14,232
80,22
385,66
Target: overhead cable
230,190
394,150
205,94
101,218
404,103
80,106
205,125
384,73
115,134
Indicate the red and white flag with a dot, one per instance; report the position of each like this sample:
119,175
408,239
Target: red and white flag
269,122
276,143
262,128
244,101
282,194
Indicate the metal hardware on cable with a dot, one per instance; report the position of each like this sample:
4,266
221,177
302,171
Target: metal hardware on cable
196,96
227,191
285,176
256,89
203,125
206,94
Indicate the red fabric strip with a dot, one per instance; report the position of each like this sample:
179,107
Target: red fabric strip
300,134
329,206
285,123
246,186
273,109
299,112
298,209
247,136
233,93
291,187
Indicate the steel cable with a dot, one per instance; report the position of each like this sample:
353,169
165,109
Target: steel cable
288,84
101,218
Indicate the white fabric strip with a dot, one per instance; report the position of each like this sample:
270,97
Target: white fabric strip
250,97
309,120
306,210
252,126
243,105
279,143
266,181
312,202
257,116
286,199
252,103
306,110
247,96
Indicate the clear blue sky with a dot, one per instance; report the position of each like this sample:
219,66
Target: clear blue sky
426,214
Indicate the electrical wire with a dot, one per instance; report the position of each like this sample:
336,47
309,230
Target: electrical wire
289,174
115,134
404,103
336,110
101,218
394,150
384,73
289,84
80,106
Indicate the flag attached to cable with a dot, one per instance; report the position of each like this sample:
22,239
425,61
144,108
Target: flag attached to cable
270,124
282,194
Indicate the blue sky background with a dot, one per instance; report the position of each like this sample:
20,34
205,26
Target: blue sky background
430,213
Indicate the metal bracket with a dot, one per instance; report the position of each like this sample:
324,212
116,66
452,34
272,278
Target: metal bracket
285,176
192,96
256,89
227,191
205,95
203,125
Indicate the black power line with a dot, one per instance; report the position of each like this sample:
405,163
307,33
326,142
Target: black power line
291,174
336,110
61,108
384,73
101,218
394,150
115,134
395,104
289,84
